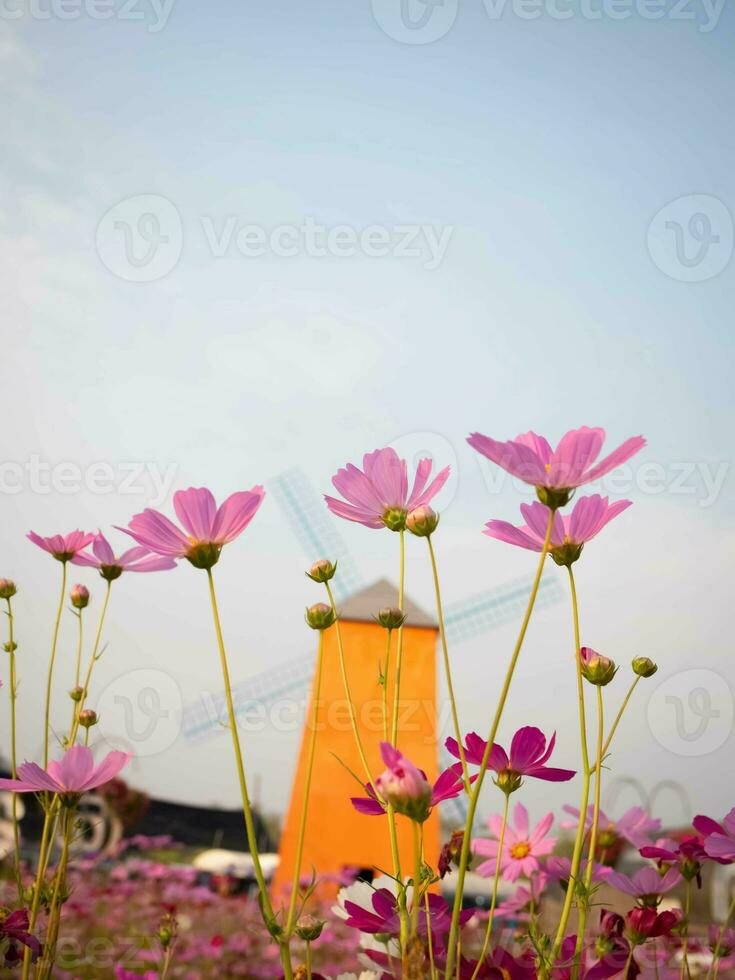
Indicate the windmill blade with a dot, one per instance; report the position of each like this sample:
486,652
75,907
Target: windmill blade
207,715
488,610
315,528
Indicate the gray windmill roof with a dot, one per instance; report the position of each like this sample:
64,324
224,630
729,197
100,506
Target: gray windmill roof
362,607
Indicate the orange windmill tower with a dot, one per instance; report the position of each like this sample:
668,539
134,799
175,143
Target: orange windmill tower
337,836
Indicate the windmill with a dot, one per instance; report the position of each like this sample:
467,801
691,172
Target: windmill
318,534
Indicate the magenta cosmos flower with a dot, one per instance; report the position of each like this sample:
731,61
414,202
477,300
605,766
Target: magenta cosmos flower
522,847
15,932
555,472
719,839
377,495
646,885
74,774
136,559
406,787
206,527
569,532
635,826
528,757
62,546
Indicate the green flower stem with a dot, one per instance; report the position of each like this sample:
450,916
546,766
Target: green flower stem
43,856
716,951
593,838
92,661
246,805
52,931
13,747
685,930
417,862
384,678
454,939
586,779
291,920
399,652
49,680
496,880
348,693
447,668
619,715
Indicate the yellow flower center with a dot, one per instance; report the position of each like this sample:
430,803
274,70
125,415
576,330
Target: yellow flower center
520,850
547,467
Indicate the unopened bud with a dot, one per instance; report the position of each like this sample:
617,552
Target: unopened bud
322,570
320,616
422,521
597,669
76,693
390,617
644,667
167,930
10,647
87,718
7,588
407,790
79,596
309,928
554,497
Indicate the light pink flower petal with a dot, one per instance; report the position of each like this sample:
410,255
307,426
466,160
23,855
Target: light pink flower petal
720,846
106,770
431,491
155,531
351,513
356,488
542,828
520,819
518,536
728,822
620,455
536,515
423,471
151,563
23,786
538,444
495,825
485,846
486,869
103,551
33,775
577,450
514,457
388,474
236,513
74,767
543,847
85,560
196,509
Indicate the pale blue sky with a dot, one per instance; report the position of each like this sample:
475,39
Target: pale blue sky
543,150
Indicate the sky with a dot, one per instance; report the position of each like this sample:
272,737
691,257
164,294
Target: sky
238,239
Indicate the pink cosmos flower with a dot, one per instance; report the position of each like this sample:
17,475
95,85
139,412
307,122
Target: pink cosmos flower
75,773
719,839
406,787
133,560
635,826
62,546
377,495
521,848
528,756
519,904
569,532
531,458
647,885
206,527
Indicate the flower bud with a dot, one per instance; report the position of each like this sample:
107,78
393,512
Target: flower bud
10,646
167,930
390,617
320,616
422,521
7,588
407,790
508,781
598,670
644,667
309,928
87,718
322,570
79,596
76,693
